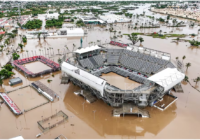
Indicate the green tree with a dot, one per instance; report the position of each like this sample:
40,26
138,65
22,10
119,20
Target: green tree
21,46
38,36
133,38
141,40
49,81
186,79
196,80
187,65
168,17
59,60
4,73
183,58
15,56
8,67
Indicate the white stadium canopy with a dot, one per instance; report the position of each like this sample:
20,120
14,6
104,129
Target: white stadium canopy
85,77
87,49
167,78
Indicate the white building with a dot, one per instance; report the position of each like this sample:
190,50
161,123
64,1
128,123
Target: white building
52,16
111,18
70,32
91,20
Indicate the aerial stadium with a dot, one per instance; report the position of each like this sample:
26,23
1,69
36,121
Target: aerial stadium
153,69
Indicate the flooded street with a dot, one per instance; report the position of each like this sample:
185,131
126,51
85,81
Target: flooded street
87,121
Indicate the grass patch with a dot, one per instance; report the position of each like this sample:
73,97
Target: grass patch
166,35
161,36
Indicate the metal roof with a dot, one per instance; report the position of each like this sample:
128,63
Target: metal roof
87,49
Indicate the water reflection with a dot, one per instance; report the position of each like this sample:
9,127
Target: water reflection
104,124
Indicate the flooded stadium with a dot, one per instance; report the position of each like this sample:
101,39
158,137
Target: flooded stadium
95,120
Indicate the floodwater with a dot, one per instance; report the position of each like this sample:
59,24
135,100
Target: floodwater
180,120
27,98
120,81
40,66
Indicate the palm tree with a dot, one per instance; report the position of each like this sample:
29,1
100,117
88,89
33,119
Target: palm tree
177,39
187,65
74,47
186,79
133,38
183,58
160,31
141,40
197,80
21,46
39,36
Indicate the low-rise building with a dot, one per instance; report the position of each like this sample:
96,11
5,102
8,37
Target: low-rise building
52,16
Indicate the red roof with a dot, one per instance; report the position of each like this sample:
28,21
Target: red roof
2,33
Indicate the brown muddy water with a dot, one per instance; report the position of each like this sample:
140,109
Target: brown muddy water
119,81
180,120
40,66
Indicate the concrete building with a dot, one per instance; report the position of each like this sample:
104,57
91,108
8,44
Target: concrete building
154,83
52,16
111,18
91,20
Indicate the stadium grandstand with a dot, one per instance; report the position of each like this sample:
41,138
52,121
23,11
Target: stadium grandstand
151,68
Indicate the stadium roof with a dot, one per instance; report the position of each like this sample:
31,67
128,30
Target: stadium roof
87,49
84,74
167,78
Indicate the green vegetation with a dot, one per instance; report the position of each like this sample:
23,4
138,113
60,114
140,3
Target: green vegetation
168,17
80,23
54,23
15,56
161,19
134,38
6,72
151,17
21,46
33,24
156,35
128,15
187,65
8,67
194,43
24,39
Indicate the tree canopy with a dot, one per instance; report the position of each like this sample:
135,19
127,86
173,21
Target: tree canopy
33,24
